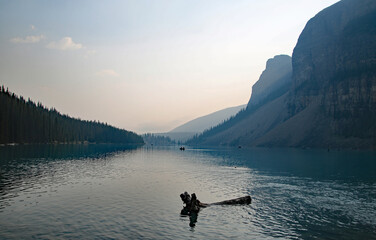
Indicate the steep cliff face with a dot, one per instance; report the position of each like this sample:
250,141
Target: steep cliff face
331,101
334,67
274,81
337,41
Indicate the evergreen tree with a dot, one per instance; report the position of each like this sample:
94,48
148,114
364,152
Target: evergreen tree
26,122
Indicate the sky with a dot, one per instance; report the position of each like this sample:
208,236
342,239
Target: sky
144,65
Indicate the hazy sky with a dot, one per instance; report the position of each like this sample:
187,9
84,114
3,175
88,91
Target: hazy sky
144,65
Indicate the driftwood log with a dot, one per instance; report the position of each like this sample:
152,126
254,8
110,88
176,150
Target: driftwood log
193,205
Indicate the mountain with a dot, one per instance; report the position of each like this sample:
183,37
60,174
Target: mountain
274,80
26,122
205,122
331,100
253,121
198,125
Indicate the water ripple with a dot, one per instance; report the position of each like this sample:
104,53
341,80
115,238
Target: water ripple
135,195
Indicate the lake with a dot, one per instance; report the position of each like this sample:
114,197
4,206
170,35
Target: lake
117,192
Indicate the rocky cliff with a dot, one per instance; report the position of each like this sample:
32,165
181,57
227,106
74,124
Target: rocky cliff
334,68
331,101
274,81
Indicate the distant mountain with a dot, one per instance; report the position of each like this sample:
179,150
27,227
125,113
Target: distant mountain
205,122
331,101
26,122
200,124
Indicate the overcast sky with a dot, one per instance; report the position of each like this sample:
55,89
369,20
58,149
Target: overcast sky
144,65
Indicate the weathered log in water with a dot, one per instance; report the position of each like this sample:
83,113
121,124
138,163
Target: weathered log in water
242,200
193,205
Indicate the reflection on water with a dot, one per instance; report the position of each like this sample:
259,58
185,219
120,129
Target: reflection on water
23,166
320,164
58,151
109,191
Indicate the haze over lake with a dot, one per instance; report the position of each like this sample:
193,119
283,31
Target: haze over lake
188,119
145,66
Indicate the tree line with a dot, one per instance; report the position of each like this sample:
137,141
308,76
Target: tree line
156,140
225,124
24,121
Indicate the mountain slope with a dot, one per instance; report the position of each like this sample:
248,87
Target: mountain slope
205,122
331,101
334,66
247,125
198,125
334,79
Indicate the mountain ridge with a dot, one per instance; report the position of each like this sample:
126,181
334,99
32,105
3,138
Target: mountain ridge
204,122
244,126
198,125
331,101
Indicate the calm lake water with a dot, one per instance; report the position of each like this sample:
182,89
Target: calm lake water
112,192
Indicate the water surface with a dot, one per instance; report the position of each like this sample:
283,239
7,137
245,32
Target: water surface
113,192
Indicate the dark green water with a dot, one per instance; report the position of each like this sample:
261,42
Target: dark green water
116,192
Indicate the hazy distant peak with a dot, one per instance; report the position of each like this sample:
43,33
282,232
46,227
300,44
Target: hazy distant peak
205,122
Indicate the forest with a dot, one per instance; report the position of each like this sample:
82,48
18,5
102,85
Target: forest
156,140
25,122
